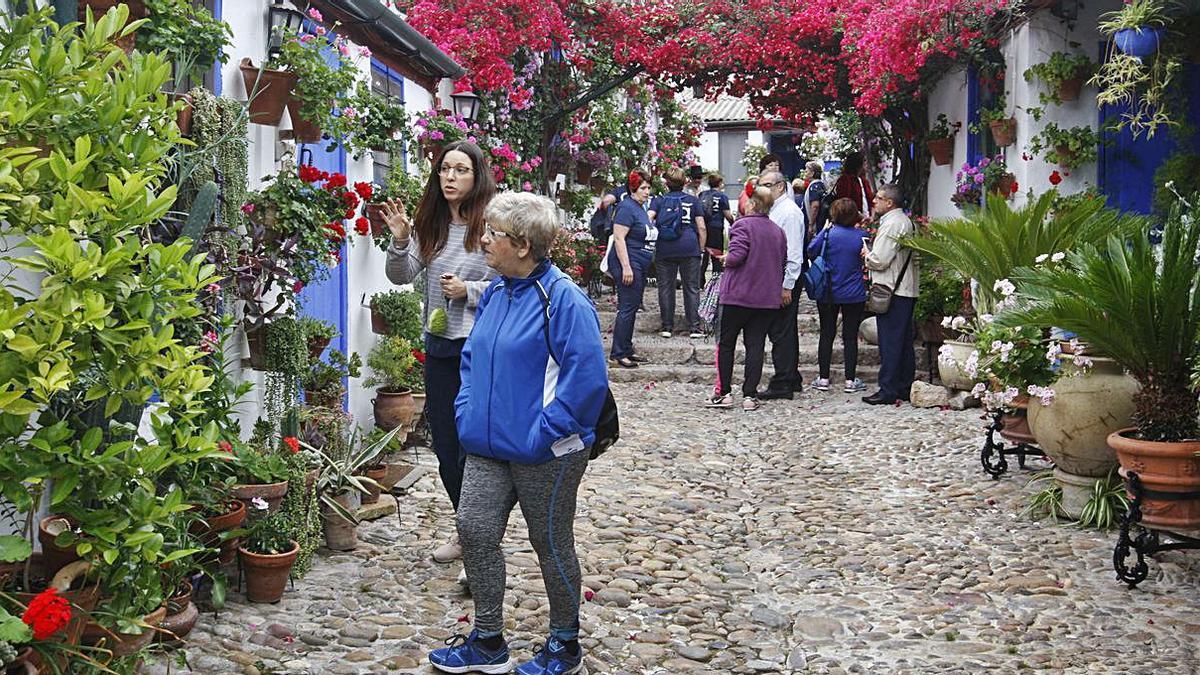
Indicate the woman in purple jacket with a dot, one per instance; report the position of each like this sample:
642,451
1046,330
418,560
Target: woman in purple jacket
843,244
751,293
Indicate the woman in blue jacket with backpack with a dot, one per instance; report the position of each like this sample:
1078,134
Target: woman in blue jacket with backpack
841,244
525,444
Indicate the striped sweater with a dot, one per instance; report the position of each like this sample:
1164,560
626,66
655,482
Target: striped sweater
404,265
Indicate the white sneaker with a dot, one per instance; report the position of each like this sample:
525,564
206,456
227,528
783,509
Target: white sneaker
855,385
448,552
695,335
665,333
749,403
821,384
718,401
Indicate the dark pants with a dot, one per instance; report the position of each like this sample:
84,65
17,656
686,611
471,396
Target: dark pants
705,261
442,360
785,345
752,324
688,269
897,360
852,314
629,298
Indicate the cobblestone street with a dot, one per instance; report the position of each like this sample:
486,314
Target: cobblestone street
818,535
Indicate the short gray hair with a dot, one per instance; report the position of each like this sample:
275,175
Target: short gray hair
892,192
775,177
531,218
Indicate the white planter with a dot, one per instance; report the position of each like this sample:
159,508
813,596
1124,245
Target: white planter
950,364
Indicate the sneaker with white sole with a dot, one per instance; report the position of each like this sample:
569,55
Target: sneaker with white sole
854,386
695,335
465,654
719,401
750,403
448,552
552,659
821,384
666,334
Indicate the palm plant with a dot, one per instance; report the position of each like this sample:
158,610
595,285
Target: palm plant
1136,304
988,243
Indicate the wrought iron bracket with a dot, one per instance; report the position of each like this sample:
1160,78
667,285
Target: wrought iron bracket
994,454
1148,541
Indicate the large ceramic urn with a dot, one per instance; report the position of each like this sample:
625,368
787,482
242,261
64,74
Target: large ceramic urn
951,358
1089,404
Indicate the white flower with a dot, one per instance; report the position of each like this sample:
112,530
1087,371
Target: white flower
1046,394
978,390
1042,258
971,367
1004,351
1004,287
1058,256
996,345
946,355
946,321
259,503
986,318
1053,352
958,323
1083,362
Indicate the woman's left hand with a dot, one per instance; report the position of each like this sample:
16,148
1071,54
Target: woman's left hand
453,287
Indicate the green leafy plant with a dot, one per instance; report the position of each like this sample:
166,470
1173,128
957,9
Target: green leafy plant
1107,503
316,329
402,312
186,32
942,128
575,252
391,362
260,461
287,361
342,466
1178,176
941,294
1135,303
1059,68
1142,88
373,122
320,84
1047,502
1069,148
1009,360
1134,14
323,379
268,535
751,157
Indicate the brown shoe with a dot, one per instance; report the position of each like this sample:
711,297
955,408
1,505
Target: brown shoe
448,552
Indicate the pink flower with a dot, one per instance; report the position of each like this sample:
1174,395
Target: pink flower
316,14
344,50
527,186
436,135
349,113
247,208
213,288
364,52
307,38
321,30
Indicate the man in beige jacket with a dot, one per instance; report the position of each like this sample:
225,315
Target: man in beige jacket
898,269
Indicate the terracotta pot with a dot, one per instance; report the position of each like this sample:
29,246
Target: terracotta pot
273,493
1066,157
83,600
303,131
341,534
1162,467
55,557
124,644
183,116
376,474
209,530
1016,424
394,473
393,409
951,372
1004,187
941,149
419,405
316,347
274,91
267,575
431,150
1004,132
137,10
379,325
256,347
1069,89
374,213
181,616
583,172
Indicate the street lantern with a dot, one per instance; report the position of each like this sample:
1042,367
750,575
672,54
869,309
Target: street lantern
281,17
466,105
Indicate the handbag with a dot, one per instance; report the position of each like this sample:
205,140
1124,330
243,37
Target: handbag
816,277
879,296
608,247
710,298
608,426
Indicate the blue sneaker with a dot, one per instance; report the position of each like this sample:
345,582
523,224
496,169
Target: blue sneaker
553,659
464,654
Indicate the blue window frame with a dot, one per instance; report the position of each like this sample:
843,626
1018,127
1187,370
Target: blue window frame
385,81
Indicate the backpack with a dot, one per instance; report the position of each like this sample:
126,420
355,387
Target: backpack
601,223
712,208
827,201
670,220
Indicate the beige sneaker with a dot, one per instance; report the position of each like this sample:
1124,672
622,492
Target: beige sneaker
448,552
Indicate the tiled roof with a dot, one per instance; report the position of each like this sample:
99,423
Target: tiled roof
725,109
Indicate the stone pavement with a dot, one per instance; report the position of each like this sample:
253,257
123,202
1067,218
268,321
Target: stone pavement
818,535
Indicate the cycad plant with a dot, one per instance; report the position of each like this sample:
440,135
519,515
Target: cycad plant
1137,304
988,243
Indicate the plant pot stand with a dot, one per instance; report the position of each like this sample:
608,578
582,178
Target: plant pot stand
994,455
1148,540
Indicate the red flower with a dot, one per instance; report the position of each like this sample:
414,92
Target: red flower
225,446
336,180
364,190
361,226
339,232
350,199
292,443
349,214
1014,187
1055,178
418,355
310,173
47,613
298,286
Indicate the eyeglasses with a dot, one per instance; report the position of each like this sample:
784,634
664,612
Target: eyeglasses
768,184
459,171
493,233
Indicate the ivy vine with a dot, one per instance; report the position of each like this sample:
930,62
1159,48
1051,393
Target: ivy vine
286,362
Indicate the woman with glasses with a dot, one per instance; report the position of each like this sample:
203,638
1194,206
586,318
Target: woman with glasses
442,243
628,261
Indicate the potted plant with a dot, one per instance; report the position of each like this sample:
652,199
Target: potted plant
400,185
322,382
134,10
436,128
391,457
397,313
1063,74
318,333
940,140
391,361
341,486
263,466
576,253
268,91
285,361
940,297
1140,306
1007,361
1137,27
267,555
374,122
1069,148
186,33
989,175
320,83
1002,125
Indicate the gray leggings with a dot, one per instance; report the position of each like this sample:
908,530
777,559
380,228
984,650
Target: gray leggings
546,493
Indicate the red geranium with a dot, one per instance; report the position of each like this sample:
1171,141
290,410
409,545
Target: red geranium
292,443
310,173
225,446
1014,188
361,226
336,180
1055,178
364,190
48,613
418,355
338,231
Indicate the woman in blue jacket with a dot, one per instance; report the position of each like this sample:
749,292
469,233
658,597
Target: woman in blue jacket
525,445
847,290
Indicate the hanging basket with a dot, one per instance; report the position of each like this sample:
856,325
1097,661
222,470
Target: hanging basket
583,173
1004,186
303,131
268,101
1140,42
375,217
1069,89
941,149
1004,132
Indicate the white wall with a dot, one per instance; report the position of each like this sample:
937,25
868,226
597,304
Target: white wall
949,97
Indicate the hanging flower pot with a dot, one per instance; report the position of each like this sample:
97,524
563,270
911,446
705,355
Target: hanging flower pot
266,574
1066,156
1005,186
271,493
137,10
1004,132
271,97
431,150
303,131
598,184
583,172
183,115
379,324
1070,88
256,344
941,149
316,347
374,214
1140,42
393,408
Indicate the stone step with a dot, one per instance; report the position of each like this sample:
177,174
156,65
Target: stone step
683,350
706,375
649,322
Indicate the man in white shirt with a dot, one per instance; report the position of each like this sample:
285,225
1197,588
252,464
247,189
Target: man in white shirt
785,344
898,269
